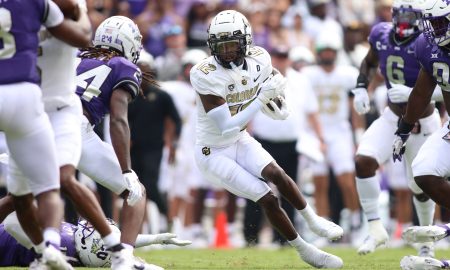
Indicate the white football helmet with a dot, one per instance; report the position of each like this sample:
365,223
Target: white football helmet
89,245
119,33
193,57
301,54
146,59
436,19
229,38
406,16
327,40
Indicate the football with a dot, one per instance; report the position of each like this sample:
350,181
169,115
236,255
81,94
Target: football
69,8
277,101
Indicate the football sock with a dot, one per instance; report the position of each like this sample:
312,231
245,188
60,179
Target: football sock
298,243
308,213
111,240
52,236
425,211
128,247
39,248
369,191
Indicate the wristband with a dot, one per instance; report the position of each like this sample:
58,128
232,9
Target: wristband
362,81
404,128
126,171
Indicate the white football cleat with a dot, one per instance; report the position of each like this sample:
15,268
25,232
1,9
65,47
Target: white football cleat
426,250
38,264
124,260
422,234
421,263
319,259
54,259
139,263
325,228
378,236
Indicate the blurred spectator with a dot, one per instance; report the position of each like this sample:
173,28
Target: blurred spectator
197,22
296,35
257,19
300,57
154,22
146,116
319,19
356,10
99,10
355,43
175,43
227,4
277,34
383,11
135,7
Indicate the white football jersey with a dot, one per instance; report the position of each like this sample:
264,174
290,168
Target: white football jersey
57,64
238,86
332,91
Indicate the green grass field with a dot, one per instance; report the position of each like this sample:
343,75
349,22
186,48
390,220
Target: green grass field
241,259
287,258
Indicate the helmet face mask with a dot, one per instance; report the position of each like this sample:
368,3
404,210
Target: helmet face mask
437,30
436,22
228,50
406,21
121,34
229,38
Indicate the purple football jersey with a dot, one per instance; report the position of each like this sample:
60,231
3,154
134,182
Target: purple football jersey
19,26
435,61
398,62
14,254
96,79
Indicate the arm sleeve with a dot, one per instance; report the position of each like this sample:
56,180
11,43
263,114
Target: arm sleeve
12,226
233,124
53,15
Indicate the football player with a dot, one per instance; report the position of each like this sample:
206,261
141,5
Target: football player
431,166
81,243
26,126
232,85
56,60
331,84
391,49
107,80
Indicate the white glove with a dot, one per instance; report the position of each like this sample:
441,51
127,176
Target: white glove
399,93
361,101
4,158
273,87
277,113
162,239
134,187
170,239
